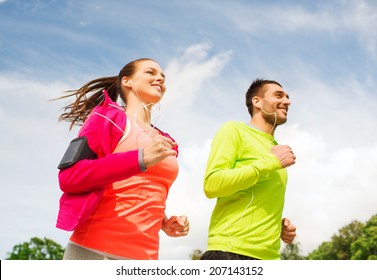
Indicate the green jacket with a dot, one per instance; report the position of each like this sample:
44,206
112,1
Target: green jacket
249,184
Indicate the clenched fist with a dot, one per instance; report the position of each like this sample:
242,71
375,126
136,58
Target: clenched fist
284,154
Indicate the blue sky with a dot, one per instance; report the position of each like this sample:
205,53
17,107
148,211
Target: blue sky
324,53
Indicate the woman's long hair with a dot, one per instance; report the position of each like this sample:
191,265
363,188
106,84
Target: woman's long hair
91,94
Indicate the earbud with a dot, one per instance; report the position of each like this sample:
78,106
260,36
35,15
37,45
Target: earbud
260,106
135,92
257,103
128,83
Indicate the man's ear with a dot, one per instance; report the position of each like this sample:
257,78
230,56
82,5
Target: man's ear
256,103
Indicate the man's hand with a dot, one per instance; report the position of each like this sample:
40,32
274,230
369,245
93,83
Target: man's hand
284,154
288,231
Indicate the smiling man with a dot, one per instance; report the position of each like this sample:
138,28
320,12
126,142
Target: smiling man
246,173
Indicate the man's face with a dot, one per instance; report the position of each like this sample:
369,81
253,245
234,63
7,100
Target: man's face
275,100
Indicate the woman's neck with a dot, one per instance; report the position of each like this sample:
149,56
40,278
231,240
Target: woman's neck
140,113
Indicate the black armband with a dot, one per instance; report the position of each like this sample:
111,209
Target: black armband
77,150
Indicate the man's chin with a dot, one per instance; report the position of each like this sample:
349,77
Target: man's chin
281,121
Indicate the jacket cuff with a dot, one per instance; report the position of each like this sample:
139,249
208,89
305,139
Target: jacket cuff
141,160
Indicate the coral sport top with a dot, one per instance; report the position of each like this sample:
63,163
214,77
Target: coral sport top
129,217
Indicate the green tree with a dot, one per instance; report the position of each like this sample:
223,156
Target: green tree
37,249
365,247
325,251
339,248
292,252
196,254
343,241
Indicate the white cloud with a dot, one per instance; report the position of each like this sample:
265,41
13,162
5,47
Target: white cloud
188,72
327,188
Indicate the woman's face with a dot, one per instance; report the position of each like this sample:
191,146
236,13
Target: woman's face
148,82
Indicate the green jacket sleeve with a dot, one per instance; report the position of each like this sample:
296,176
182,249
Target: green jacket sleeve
223,176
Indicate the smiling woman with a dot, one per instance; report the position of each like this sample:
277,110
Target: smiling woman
116,175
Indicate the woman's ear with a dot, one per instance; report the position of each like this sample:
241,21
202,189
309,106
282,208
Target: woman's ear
126,82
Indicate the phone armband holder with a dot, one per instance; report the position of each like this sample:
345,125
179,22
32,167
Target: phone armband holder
77,150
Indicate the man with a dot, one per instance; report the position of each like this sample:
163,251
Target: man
246,173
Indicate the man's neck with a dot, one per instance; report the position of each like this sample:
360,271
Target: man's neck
262,125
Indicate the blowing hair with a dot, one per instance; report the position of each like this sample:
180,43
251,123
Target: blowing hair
91,94
256,89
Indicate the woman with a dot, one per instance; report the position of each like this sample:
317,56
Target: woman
116,175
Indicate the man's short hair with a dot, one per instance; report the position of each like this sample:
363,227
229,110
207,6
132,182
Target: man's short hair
256,89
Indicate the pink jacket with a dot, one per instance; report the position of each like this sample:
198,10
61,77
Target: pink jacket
84,182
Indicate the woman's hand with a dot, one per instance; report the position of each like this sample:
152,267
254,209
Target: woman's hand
161,148
176,226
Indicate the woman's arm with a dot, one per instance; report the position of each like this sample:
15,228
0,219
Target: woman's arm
87,175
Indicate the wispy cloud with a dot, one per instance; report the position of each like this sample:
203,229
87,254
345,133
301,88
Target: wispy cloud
337,18
361,16
190,70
